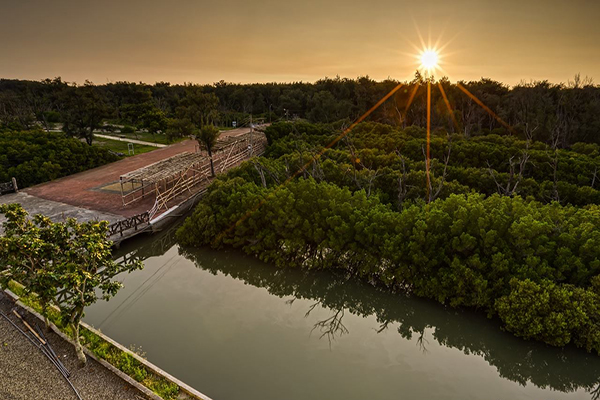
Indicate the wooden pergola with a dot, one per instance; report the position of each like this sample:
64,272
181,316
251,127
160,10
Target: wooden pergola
229,151
172,177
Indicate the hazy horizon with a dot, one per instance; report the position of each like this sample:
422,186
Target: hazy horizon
292,82
267,41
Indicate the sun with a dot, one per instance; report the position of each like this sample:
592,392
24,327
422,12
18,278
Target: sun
429,60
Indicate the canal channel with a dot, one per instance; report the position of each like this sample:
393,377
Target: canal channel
236,328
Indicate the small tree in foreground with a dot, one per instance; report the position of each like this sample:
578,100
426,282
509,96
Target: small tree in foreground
28,254
68,264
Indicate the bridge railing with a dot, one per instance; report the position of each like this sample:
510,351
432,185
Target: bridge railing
135,222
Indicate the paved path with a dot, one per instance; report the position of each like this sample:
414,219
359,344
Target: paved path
120,139
82,195
56,211
241,131
27,374
84,189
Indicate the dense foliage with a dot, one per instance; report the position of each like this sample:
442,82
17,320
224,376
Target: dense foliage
34,156
390,162
565,113
518,239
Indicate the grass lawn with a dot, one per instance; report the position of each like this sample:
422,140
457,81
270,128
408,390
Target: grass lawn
121,147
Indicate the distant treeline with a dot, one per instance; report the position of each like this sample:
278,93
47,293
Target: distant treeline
560,114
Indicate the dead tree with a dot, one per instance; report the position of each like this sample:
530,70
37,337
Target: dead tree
530,130
422,341
364,178
288,174
401,117
317,170
402,183
435,192
595,392
514,176
261,172
261,169
329,327
553,164
558,134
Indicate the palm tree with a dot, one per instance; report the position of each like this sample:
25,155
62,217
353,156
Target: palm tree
207,138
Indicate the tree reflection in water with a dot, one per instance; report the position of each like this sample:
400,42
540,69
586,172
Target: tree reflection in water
329,327
566,370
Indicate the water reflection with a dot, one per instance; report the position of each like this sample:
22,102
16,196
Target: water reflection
521,361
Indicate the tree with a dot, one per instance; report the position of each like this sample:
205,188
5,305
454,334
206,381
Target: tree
154,121
40,98
179,128
83,110
207,138
199,107
29,252
14,111
68,264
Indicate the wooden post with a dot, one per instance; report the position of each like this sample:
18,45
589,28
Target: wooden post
28,326
15,187
122,198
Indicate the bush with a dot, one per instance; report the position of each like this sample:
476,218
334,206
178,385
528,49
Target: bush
34,157
553,313
128,129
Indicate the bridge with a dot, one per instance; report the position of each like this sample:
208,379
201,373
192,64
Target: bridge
176,180
138,194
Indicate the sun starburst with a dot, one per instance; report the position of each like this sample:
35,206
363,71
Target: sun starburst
430,60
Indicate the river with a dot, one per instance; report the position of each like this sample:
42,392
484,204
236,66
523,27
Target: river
239,329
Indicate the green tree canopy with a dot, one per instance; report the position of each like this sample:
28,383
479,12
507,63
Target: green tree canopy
66,264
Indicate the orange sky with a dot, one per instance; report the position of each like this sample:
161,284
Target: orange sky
259,41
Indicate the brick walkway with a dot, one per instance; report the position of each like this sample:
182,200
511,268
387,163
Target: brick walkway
82,189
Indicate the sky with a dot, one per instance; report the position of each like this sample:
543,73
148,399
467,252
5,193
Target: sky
247,41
